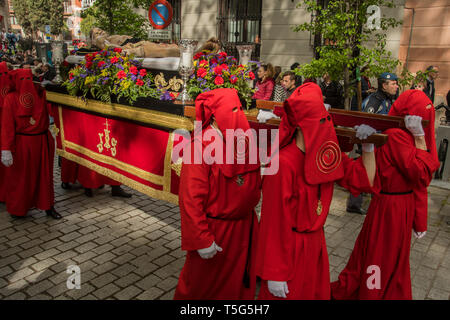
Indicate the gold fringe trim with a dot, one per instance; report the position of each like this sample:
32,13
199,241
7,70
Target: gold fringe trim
157,194
152,117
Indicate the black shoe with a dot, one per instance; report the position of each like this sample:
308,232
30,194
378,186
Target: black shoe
17,217
66,185
117,191
52,213
88,192
360,211
101,187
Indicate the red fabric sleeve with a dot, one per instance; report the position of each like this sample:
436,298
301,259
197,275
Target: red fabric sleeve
415,164
193,195
8,125
268,89
355,177
421,209
276,242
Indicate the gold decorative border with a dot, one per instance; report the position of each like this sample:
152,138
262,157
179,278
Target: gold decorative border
152,117
157,194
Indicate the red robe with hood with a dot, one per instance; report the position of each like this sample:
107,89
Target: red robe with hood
5,87
404,173
25,133
217,203
291,244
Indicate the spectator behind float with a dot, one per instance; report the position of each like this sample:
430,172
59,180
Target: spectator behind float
298,79
332,92
381,100
265,83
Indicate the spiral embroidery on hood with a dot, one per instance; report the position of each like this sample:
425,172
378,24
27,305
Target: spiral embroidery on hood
328,157
26,99
4,91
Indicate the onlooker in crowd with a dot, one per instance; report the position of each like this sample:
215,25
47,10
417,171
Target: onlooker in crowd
381,100
430,89
298,79
332,92
289,83
48,73
278,94
265,84
366,89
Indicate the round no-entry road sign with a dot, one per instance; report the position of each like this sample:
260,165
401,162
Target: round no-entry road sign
160,14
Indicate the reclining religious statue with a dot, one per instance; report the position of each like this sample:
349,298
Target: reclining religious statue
141,49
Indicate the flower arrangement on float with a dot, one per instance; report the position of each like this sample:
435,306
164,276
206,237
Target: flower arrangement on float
111,72
218,70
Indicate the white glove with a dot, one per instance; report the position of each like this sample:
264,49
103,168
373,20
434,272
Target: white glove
208,253
364,131
414,125
7,158
327,106
264,115
419,235
278,288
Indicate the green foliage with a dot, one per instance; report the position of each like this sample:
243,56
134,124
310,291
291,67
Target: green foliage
118,17
87,24
34,15
343,24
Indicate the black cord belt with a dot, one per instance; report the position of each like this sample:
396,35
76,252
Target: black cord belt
396,193
31,134
225,219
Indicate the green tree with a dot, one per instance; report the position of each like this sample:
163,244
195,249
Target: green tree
119,17
87,24
22,14
352,39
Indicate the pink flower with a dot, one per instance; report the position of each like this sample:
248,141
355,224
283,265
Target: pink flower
121,74
133,70
218,70
201,72
218,81
142,72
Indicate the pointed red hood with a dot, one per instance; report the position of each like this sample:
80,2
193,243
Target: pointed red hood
29,100
5,82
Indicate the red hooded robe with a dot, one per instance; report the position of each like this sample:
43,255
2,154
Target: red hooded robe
296,201
217,203
25,133
404,173
5,87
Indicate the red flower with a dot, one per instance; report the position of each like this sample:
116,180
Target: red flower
224,66
121,74
88,57
139,82
198,55
142,72
133,70
114,60
94,54
223,54
203,63
70,76
233,79
218,81
251,75
118,50
201,72
89,64
100,64
218,70
213,61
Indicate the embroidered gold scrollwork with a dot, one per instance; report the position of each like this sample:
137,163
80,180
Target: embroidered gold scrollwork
173,85
110,142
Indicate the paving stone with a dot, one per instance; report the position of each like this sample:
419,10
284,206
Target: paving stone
148,282
128,293
127,280
103,280
150,294
106,291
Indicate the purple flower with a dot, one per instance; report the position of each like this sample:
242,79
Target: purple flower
133,77
83,75
119,66
165,96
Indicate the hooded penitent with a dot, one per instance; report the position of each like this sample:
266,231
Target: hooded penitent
225,107
416,102
30,103
305,110
5,82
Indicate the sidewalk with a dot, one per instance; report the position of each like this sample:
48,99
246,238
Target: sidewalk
130,249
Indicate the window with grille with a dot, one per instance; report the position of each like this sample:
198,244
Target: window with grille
176,20
239,22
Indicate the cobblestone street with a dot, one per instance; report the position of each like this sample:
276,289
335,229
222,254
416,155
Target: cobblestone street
130,249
